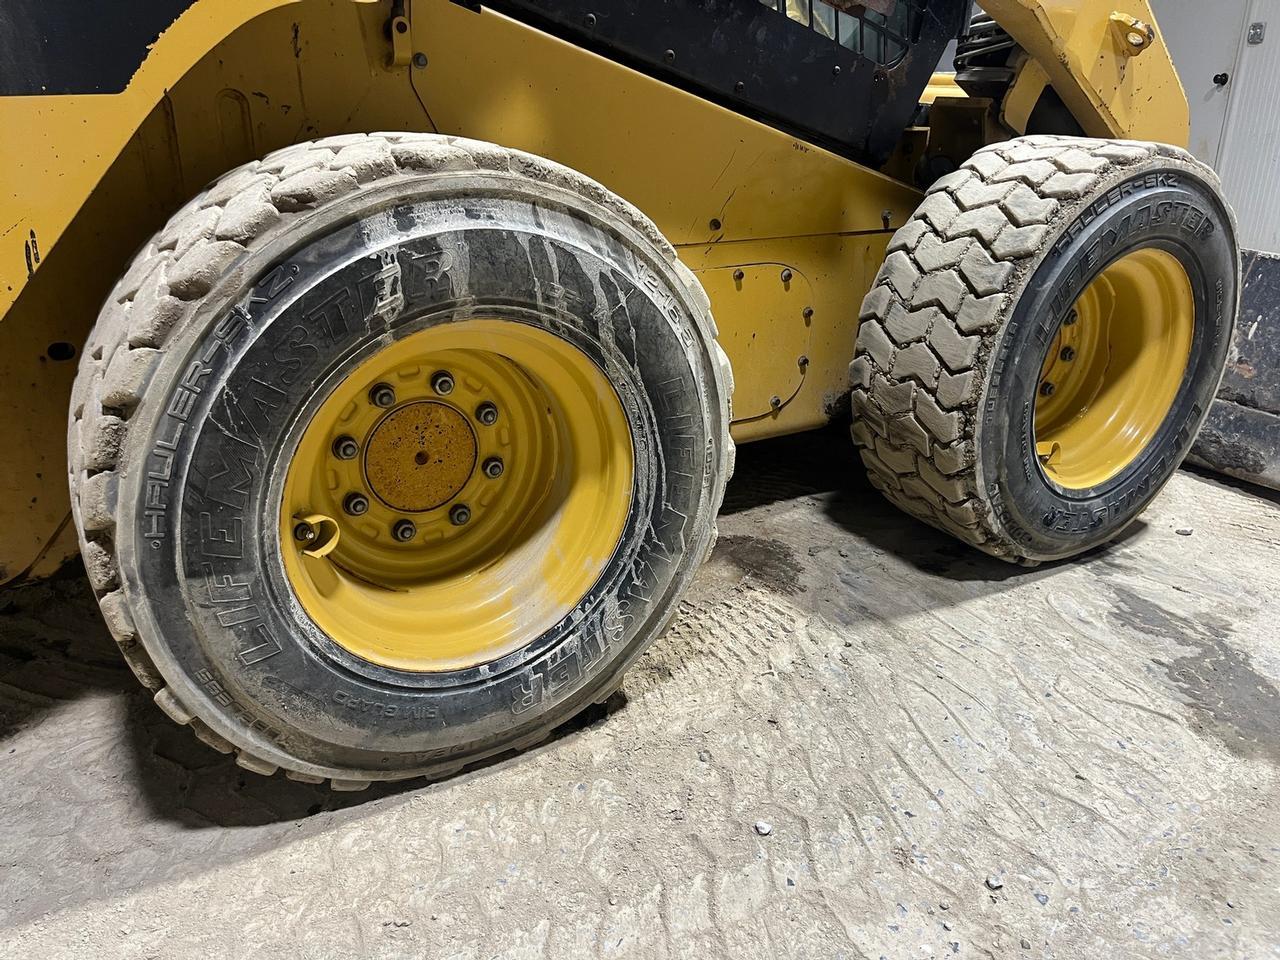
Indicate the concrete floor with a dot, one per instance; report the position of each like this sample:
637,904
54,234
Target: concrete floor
956,757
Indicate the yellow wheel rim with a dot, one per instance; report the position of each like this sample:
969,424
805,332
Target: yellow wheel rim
1113,372
457,495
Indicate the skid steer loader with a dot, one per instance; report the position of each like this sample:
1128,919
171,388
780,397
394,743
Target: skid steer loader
406,413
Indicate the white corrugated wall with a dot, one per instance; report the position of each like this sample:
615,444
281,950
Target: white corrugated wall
1234,126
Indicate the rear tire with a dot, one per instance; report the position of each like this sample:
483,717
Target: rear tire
215,355
976,300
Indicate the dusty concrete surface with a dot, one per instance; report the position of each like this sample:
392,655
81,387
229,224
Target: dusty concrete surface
956,757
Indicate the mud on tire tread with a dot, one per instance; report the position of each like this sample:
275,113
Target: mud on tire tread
161,290
928,327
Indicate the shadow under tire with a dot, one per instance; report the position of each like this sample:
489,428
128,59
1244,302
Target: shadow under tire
329,320
1043,341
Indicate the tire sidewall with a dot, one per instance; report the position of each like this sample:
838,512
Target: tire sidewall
224,628
1165,205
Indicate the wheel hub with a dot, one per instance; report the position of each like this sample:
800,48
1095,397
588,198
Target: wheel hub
1110,377
420,456
456,495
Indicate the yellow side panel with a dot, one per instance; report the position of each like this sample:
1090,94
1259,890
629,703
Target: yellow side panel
1111,92
683,161
787,323
55,149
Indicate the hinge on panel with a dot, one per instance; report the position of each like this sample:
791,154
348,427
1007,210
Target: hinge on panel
399,34
1133,35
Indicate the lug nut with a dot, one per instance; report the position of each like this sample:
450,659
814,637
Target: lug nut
493,468
460,514
487,414
1070,318
356,504
442,382
303,532
404,530
1068,354
382,395
345,448
1046,389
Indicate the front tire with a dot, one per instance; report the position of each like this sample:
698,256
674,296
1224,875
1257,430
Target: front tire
391,452
1043,341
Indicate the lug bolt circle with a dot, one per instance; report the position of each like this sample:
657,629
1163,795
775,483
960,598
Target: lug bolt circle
404,530
1047,388
487,414
493,468
356,504
442,382
459,514
1068,354
382,395
345,448
303,532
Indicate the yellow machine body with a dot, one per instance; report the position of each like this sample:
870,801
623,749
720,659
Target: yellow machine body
785,236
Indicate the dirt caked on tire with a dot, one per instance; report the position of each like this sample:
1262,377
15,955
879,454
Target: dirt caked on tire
391,452
1043,341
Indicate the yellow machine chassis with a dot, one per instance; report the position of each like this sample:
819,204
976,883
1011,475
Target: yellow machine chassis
785,236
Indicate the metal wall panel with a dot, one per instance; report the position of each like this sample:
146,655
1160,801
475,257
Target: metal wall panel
1235,125
1249,159
1203,48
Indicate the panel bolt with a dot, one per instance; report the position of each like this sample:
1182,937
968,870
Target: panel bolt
356,504
669,56
493,468
382,395
1068,354
591,19
738,275
808,313
420,60
1047,388
487,414
404,530
345,448
786,275
460,514
303,532
442,382
776,402
835,71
